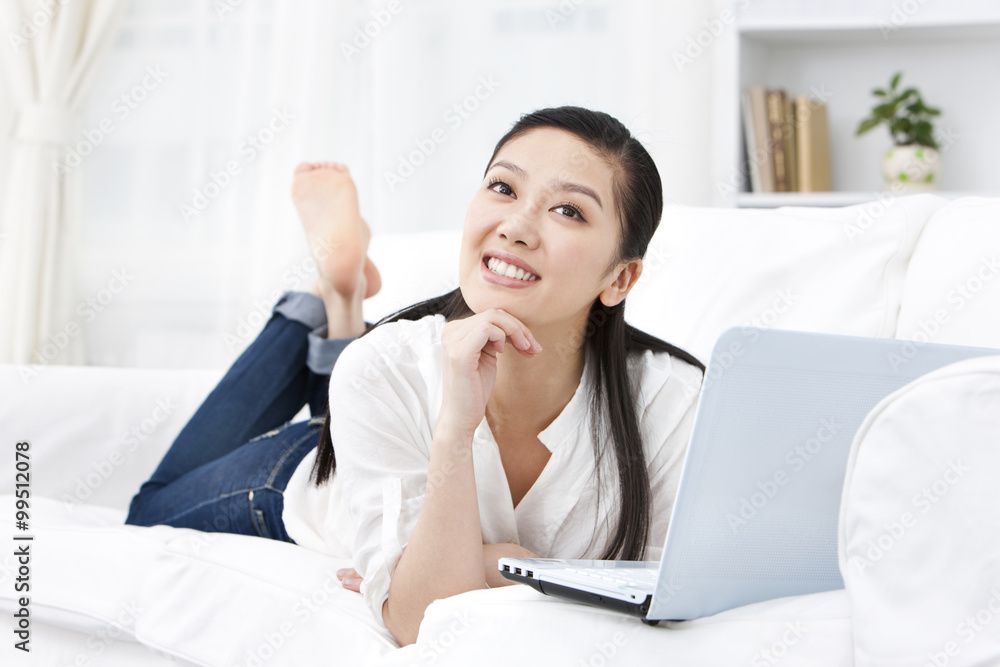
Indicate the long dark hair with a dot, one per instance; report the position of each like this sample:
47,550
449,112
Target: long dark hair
609,341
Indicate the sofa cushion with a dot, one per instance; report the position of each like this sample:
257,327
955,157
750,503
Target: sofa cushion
919,532
836,270
207,598
952,288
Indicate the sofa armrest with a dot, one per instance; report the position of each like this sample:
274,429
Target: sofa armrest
95,433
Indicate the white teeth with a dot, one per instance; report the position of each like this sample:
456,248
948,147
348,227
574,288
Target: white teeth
502,268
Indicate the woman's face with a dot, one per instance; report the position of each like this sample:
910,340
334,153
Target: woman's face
545,206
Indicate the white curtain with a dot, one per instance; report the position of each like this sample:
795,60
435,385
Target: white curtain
52,53
188,196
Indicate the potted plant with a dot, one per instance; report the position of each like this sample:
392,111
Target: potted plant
911,165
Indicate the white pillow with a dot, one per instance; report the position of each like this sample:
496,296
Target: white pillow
835,270
952,289
919,534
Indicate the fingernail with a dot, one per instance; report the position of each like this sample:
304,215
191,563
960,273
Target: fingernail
342,573
536,346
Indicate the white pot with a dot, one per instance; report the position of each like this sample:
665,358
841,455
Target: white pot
911,169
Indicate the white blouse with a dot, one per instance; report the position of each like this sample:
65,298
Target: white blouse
385,394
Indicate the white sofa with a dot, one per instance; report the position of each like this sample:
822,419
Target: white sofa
919,268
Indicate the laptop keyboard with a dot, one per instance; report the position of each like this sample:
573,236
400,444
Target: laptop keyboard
623,579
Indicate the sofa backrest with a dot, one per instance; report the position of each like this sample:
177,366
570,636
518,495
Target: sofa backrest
834,270
837,270
952,289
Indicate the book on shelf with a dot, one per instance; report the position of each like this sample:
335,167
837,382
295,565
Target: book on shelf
787,141
750,142
759,156
777,128
791,139
813,145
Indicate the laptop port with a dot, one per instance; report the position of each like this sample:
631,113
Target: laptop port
517,570
528,573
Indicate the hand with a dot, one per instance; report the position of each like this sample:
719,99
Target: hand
350,579
469,350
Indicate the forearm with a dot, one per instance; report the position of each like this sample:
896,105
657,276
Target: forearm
494,552
446,539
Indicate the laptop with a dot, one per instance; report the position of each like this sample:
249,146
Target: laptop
757,507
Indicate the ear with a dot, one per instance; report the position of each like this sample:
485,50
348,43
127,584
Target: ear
628,274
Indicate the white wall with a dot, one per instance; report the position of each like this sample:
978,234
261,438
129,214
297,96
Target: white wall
616,56
198,284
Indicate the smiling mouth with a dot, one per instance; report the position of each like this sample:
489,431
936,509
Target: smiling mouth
502,268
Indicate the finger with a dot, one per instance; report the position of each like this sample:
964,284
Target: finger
517,331
486,337
527,354
352,584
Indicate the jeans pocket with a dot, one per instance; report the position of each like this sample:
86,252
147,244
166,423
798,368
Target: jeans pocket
260,523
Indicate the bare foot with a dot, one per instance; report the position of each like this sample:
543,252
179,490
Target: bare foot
327,204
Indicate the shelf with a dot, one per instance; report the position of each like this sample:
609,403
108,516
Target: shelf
839,52
855,31
831,199
885,20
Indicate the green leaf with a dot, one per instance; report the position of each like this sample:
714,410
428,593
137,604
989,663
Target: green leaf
878,92
867,124
925,138
895,80
885,111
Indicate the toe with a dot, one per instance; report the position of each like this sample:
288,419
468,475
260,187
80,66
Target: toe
304,166
373,281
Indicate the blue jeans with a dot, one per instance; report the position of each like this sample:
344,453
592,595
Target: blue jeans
217,476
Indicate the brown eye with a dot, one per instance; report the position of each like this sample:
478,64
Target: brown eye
500,188
570,211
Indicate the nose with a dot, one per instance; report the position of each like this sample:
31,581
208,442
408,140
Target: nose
521,225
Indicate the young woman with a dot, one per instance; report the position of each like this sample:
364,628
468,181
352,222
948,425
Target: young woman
517,415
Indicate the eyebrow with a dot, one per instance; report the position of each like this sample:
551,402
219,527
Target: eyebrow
560,185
